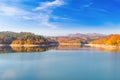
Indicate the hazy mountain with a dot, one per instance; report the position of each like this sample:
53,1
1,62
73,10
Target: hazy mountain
86,36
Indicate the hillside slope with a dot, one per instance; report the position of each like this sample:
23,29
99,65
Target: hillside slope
113,40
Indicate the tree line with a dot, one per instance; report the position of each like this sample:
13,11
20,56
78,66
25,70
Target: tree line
22,38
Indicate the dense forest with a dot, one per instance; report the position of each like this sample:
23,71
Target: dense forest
7,37
23,38
113,40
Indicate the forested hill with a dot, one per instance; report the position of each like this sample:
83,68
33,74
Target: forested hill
8,37
113,39
21,38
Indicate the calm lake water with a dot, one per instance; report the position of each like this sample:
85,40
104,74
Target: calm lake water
59,63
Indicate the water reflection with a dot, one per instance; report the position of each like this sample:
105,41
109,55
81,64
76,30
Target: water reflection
69,47
8,49
107,49
29,49
4,49
12,49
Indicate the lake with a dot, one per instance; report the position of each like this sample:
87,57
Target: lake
59,63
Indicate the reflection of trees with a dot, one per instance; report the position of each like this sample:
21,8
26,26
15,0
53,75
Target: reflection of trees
4,49
108,49
68,47
31,49
9,49
111,50
61,47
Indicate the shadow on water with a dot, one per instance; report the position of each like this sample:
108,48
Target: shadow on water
8,49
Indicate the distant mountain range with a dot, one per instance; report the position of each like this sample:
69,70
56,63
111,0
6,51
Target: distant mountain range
86,36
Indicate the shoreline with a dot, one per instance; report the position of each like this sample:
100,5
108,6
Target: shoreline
41,45
4,45
26,45
44,45
68,44
102,46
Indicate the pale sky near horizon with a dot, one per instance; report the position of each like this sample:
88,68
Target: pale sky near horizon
60,17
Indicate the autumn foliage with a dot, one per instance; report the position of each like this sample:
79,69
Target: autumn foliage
68,41
23,38
113,39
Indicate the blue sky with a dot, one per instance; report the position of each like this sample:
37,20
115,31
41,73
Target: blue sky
60,17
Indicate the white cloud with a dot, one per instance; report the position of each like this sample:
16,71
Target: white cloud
11,11
26,17
46,5
45,21
45,11
41,13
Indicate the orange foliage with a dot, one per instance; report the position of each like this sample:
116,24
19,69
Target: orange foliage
108,40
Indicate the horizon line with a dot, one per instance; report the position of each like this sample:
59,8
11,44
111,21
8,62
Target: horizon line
61,34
